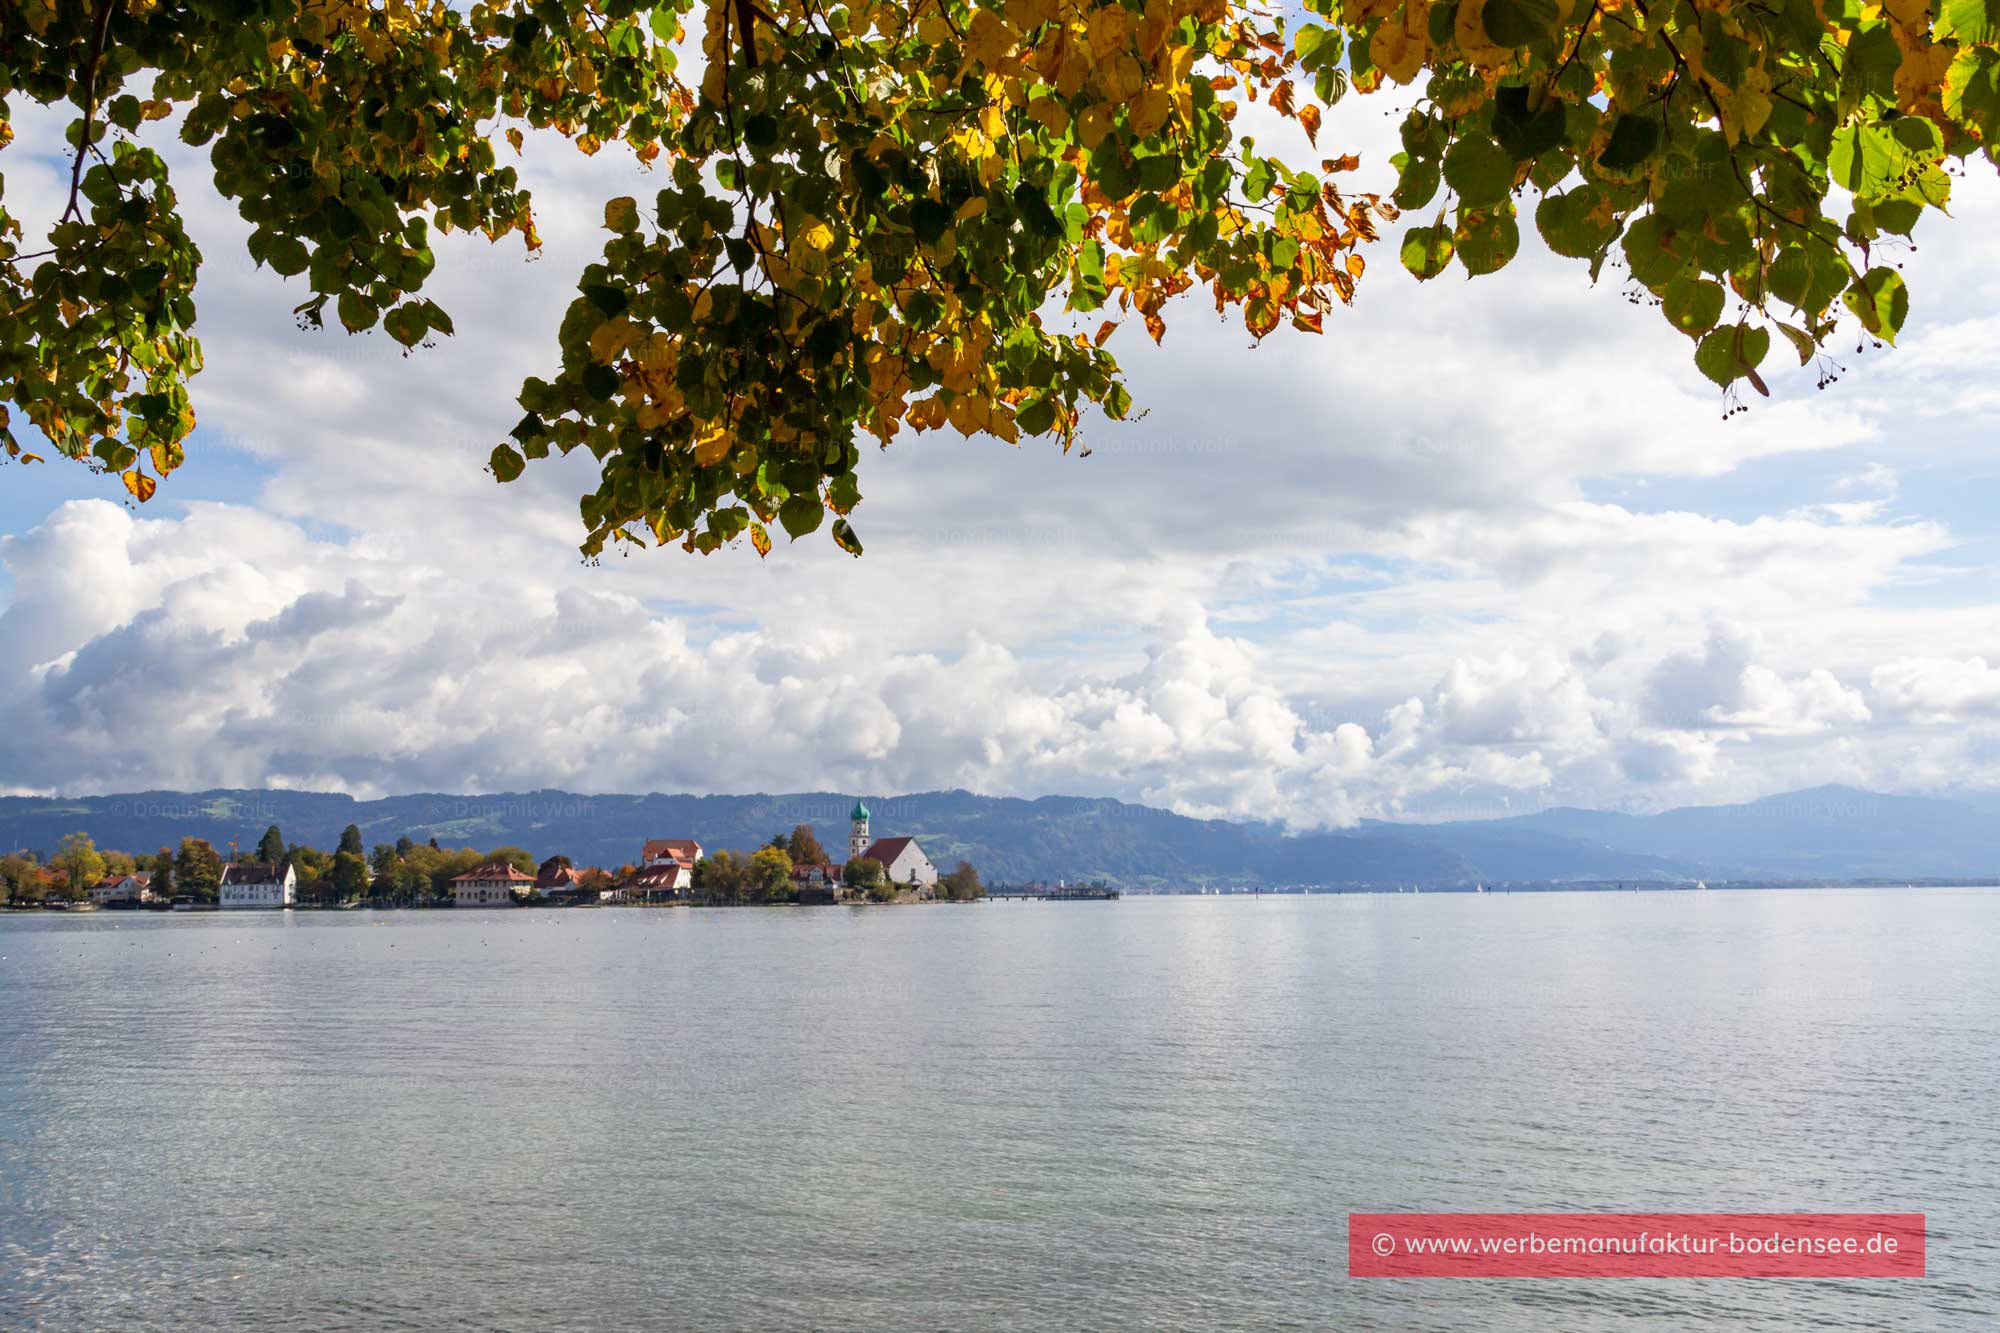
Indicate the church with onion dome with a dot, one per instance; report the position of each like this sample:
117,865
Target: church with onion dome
902,860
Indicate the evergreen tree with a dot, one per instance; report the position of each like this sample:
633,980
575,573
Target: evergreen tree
197,870
271,847
350,840
350,875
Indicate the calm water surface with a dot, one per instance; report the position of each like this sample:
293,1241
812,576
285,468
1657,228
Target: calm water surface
1140,1114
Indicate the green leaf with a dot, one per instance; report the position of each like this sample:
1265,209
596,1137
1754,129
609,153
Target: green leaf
1969,22
1569,225
1633,140
1881,301
1518,22
622,215
506,463
801,514
1487,238
1257,180
1037,418
287,255
1419,183
930,220
1729,354
406,324
1864,159
1656,251
1427,250
1480,170
1693,304
1527,133
357,312
844,536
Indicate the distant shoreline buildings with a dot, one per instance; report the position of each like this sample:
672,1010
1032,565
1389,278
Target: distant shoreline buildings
789,868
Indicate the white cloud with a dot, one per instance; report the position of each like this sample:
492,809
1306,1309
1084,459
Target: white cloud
1369,574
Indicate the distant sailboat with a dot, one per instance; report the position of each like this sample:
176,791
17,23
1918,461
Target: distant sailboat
1700,885
1479,888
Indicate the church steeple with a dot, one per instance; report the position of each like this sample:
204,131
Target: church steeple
858,840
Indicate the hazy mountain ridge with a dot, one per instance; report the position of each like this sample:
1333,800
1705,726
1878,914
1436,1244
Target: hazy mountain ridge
1826,832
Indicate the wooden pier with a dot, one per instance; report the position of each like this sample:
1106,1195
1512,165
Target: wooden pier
1054,895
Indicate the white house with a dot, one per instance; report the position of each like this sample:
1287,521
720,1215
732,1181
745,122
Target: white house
660,851
660,881
903,862
135,888
491,885
257,884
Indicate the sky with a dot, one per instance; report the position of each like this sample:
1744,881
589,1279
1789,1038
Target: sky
1486,547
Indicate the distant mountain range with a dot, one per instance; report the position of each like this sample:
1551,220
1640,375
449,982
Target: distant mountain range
1833,833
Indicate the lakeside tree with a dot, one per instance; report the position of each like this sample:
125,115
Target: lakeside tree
862,872
518,857
803,847
962,884
20,877
271,847
80,864
197,870
867,211
350,840
162,866
310,863
769,877
719,878
349,876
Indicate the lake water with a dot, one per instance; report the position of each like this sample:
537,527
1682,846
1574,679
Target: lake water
1015,1116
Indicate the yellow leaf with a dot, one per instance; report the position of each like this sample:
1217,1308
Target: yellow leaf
989,39
621,214
1026,14
712,446
1092,126
1149,111
141,485
760,539
1398,47
608,339
1049,114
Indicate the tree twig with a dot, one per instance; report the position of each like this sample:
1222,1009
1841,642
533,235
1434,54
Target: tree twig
103,29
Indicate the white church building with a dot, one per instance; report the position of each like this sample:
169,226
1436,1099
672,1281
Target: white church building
902,861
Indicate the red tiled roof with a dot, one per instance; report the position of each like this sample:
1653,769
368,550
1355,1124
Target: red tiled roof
561,877
662,876
886,850
683,850
493,871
